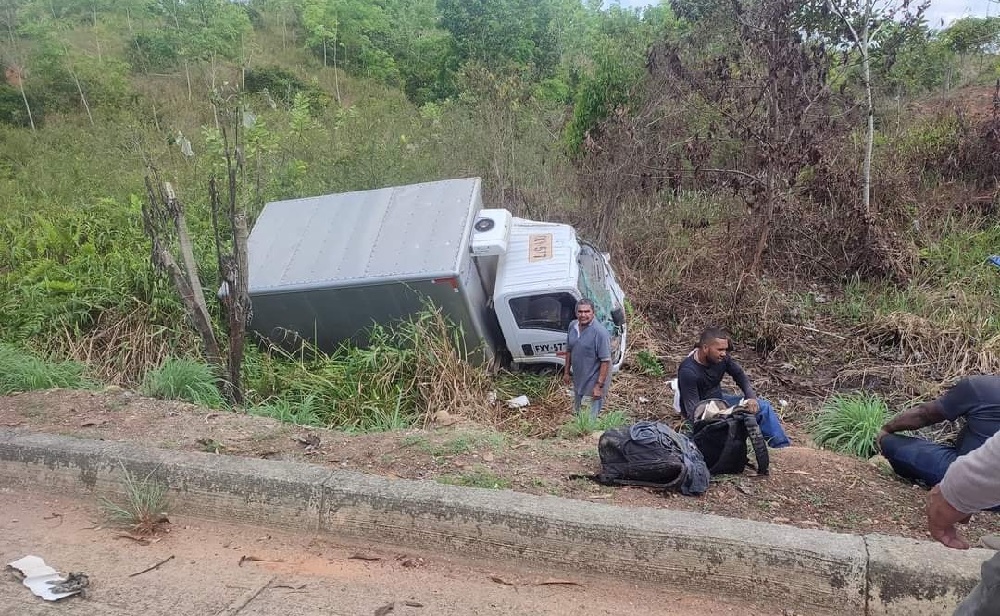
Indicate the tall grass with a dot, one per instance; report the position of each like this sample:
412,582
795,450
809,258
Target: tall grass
404,375
23,371
184,379
849,423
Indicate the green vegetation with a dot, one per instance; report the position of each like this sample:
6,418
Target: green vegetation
617,120
849,423
144,507
478,477
22,371
583,424
184,379
650,364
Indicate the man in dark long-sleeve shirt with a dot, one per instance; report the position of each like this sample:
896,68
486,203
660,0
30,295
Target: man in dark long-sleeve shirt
700,375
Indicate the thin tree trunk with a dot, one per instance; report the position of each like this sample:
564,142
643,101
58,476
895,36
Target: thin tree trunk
24,97
187,73
870,136
83,97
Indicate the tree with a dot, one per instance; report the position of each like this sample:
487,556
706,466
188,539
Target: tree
501,33
861,24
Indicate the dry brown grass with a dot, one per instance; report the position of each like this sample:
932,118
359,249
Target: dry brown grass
121,346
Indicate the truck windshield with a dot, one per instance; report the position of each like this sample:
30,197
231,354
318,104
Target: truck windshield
593,284
552,311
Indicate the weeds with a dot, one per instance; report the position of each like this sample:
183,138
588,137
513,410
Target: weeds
22,371
583,424
145,507
479,477
184,379
650,364
849,423
304,413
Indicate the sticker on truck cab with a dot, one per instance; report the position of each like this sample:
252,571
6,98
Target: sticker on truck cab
539,247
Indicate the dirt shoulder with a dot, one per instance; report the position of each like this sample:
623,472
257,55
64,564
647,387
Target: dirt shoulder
807,487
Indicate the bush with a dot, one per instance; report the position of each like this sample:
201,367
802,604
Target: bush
849,423
22,371
184,379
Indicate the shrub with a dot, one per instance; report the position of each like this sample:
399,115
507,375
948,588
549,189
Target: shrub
849,423
22,371
184,379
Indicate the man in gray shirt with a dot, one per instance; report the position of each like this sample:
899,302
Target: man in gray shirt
588,353
971,484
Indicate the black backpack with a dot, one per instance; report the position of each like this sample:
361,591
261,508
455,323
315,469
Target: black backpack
722,441
651,454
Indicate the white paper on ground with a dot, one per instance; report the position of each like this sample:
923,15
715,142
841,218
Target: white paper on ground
37,576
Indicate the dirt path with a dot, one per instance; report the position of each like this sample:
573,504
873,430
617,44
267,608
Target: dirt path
807,487
210,568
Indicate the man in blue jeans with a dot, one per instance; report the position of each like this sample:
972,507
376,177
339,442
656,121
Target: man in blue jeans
976,398
700,375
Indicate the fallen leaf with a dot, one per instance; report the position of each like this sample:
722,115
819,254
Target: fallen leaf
364,556
299,587
413,562
246,558
559,583
385,609
412,604
487,457
500,580
88,424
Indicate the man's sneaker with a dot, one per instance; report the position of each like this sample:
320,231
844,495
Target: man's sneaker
991,542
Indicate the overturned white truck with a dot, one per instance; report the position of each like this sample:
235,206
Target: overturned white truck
324,269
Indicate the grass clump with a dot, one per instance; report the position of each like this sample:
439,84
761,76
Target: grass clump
22,371
849,423
184,379
145,505
478,477
583,424
304,413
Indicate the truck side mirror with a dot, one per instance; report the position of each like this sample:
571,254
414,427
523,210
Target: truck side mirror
618,316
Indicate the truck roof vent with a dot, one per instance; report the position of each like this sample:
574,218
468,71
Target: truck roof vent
490,232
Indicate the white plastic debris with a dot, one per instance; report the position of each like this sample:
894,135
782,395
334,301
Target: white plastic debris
518,402
39,578
677,396
643,400
783,403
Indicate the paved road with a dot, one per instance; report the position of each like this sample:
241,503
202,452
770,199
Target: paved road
222,569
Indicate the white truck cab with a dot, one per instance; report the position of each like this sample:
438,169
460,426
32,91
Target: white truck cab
541,271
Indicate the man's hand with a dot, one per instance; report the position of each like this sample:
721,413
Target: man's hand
878,439
941,520
598,392
752,405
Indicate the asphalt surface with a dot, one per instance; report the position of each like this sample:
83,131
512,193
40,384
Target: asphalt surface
208,568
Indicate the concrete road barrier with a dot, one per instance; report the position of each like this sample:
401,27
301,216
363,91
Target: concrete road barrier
807,571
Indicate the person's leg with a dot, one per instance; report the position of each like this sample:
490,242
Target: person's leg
595,406
984,600
577,401
767,419
917,459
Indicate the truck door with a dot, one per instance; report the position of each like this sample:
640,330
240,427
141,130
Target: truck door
541,323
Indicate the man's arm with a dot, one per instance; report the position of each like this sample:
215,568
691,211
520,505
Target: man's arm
687,385
922,415
735,370
604,355
971,484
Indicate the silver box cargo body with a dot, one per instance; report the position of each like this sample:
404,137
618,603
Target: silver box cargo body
326,268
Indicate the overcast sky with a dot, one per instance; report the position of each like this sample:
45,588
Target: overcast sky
939,11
